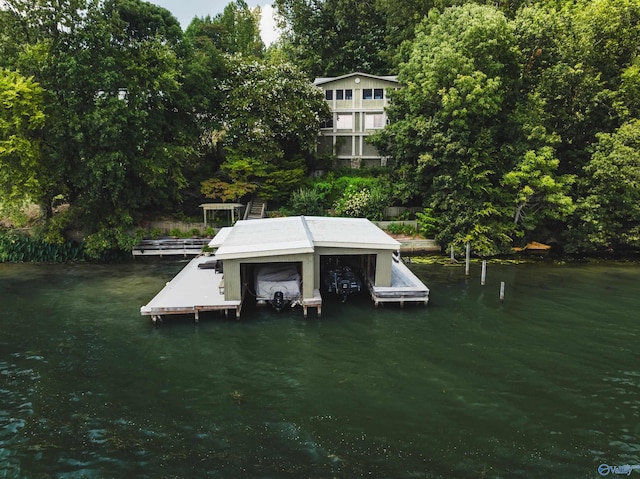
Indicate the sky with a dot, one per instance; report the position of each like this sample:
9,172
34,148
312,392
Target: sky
185,10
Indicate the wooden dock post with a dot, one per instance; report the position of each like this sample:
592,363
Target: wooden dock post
468,259
483,277
501,290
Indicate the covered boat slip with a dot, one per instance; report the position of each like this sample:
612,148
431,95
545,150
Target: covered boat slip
310,246
198,287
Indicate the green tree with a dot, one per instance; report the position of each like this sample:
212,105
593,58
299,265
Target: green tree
334,37
118,126
21,121
234,31
578,57
272,115
609,211
452,118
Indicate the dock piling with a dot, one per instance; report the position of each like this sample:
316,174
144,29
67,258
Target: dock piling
502,291
468,259
483,277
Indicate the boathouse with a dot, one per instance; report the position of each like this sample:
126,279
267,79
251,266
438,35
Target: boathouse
311,246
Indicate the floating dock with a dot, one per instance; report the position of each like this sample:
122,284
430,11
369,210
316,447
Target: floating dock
312,246
405,287
170,247
195,289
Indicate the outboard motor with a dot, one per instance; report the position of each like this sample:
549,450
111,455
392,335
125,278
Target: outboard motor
278,300
344,289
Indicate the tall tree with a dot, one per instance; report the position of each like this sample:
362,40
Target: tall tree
334,37
235,30
21,119
577,55
458,121
118,126
609,210
272,117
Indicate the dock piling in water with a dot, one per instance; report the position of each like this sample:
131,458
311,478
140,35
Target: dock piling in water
484,272
468,259
502,291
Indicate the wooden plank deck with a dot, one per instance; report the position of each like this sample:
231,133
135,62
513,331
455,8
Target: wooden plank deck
170,246
405,287
191,291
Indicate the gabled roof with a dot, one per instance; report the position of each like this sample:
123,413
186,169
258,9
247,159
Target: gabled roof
359,233
265,237
322,80
298,234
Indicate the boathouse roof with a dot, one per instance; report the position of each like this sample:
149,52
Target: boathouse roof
298,234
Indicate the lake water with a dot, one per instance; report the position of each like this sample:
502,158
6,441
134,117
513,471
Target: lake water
543,385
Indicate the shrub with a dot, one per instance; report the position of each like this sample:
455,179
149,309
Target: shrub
16,247
362,203
401,229
307,201
427,224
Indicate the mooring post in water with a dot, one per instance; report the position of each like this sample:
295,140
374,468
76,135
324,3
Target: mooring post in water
501,290
484,272
466,268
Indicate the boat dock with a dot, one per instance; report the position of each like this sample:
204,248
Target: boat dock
170,246
197,288
405,287
311,249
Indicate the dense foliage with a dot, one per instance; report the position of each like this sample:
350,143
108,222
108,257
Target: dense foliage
110,109
513,121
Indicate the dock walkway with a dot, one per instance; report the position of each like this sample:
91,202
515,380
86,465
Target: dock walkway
170,246
405,287
195,289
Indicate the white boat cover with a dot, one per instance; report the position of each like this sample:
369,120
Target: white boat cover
271,278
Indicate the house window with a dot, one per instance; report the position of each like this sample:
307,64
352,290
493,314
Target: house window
348,94
344,122
378,94
367,94
328,94
327,124
339,94
374,121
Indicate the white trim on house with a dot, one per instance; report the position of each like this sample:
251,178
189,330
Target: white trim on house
357,102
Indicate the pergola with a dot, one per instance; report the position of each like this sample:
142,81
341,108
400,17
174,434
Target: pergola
231,207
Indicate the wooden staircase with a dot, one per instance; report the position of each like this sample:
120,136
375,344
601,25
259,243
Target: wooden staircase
256,209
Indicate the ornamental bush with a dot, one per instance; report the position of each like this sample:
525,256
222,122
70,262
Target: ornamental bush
362,203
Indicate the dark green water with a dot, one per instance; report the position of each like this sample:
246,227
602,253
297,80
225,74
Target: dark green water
544,385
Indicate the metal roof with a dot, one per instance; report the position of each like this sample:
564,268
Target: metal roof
266,237
299,234
349,233
220,237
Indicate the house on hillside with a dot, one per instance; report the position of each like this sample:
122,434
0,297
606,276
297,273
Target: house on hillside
357,102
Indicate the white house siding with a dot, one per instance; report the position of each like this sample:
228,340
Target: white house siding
355,118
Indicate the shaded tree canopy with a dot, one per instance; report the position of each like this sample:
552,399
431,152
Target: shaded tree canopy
272,115
513,121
